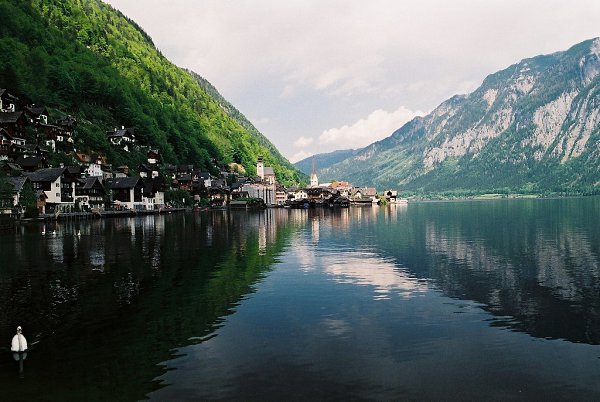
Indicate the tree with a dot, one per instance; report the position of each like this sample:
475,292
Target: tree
28,200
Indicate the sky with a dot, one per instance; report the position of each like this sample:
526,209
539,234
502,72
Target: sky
316,76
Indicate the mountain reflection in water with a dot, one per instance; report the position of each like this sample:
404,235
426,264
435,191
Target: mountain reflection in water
355,303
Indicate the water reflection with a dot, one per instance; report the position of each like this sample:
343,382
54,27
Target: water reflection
384,276
157,282
531,261
346,304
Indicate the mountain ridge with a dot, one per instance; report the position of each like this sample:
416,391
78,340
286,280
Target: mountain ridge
85,58
532,126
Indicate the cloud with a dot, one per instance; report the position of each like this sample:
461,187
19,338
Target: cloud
312,65
376,126
303,142
298,156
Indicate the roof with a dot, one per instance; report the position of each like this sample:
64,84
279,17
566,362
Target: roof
5,133
66,121
30,161
368,191
120,132
122,182
36,110
11,166
268,171
10,117
90,182
45,175
74,170
18,182
238,184
6,94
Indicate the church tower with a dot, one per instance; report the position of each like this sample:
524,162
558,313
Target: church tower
314,181
260,168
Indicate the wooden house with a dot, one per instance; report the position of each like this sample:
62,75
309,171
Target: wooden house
90,193
14,123
8,102
31,163
127,192
58,185
36,114
123,137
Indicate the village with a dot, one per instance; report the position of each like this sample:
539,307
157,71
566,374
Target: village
94,186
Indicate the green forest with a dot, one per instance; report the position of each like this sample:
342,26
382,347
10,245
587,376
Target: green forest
84,58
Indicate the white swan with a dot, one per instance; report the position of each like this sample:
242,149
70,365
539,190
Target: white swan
19,343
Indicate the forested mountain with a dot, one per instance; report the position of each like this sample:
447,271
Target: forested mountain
532,127
323,161
84,58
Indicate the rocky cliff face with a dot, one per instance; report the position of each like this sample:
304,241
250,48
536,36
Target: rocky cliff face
532,126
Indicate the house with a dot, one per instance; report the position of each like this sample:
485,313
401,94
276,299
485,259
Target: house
363,195
14,123
281,195
127,192
90,193
391,195
31,163
8,102
35,150
153,196
67,123
76,171
219,197
58,185
5,145
122,171
300,194
56,137
92,164
320,195
36,114
123,137
148,170
153,156
10,146
207,178
264,191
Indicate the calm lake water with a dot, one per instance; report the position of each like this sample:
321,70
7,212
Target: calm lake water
486,300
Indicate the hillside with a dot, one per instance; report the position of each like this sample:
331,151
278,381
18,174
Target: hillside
532,127
84,58
323,161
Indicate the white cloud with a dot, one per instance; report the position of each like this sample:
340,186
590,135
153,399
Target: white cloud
376,126
311,65
303,142
298,156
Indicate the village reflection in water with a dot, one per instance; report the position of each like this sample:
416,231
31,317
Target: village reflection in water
170,282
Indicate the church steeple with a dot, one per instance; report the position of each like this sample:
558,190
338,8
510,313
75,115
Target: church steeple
314,181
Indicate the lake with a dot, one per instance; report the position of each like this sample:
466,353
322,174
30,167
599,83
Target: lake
470,300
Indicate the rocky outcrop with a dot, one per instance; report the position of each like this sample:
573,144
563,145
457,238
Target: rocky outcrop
535,124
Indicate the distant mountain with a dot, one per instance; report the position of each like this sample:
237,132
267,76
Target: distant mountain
323,161
534,126
85,58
